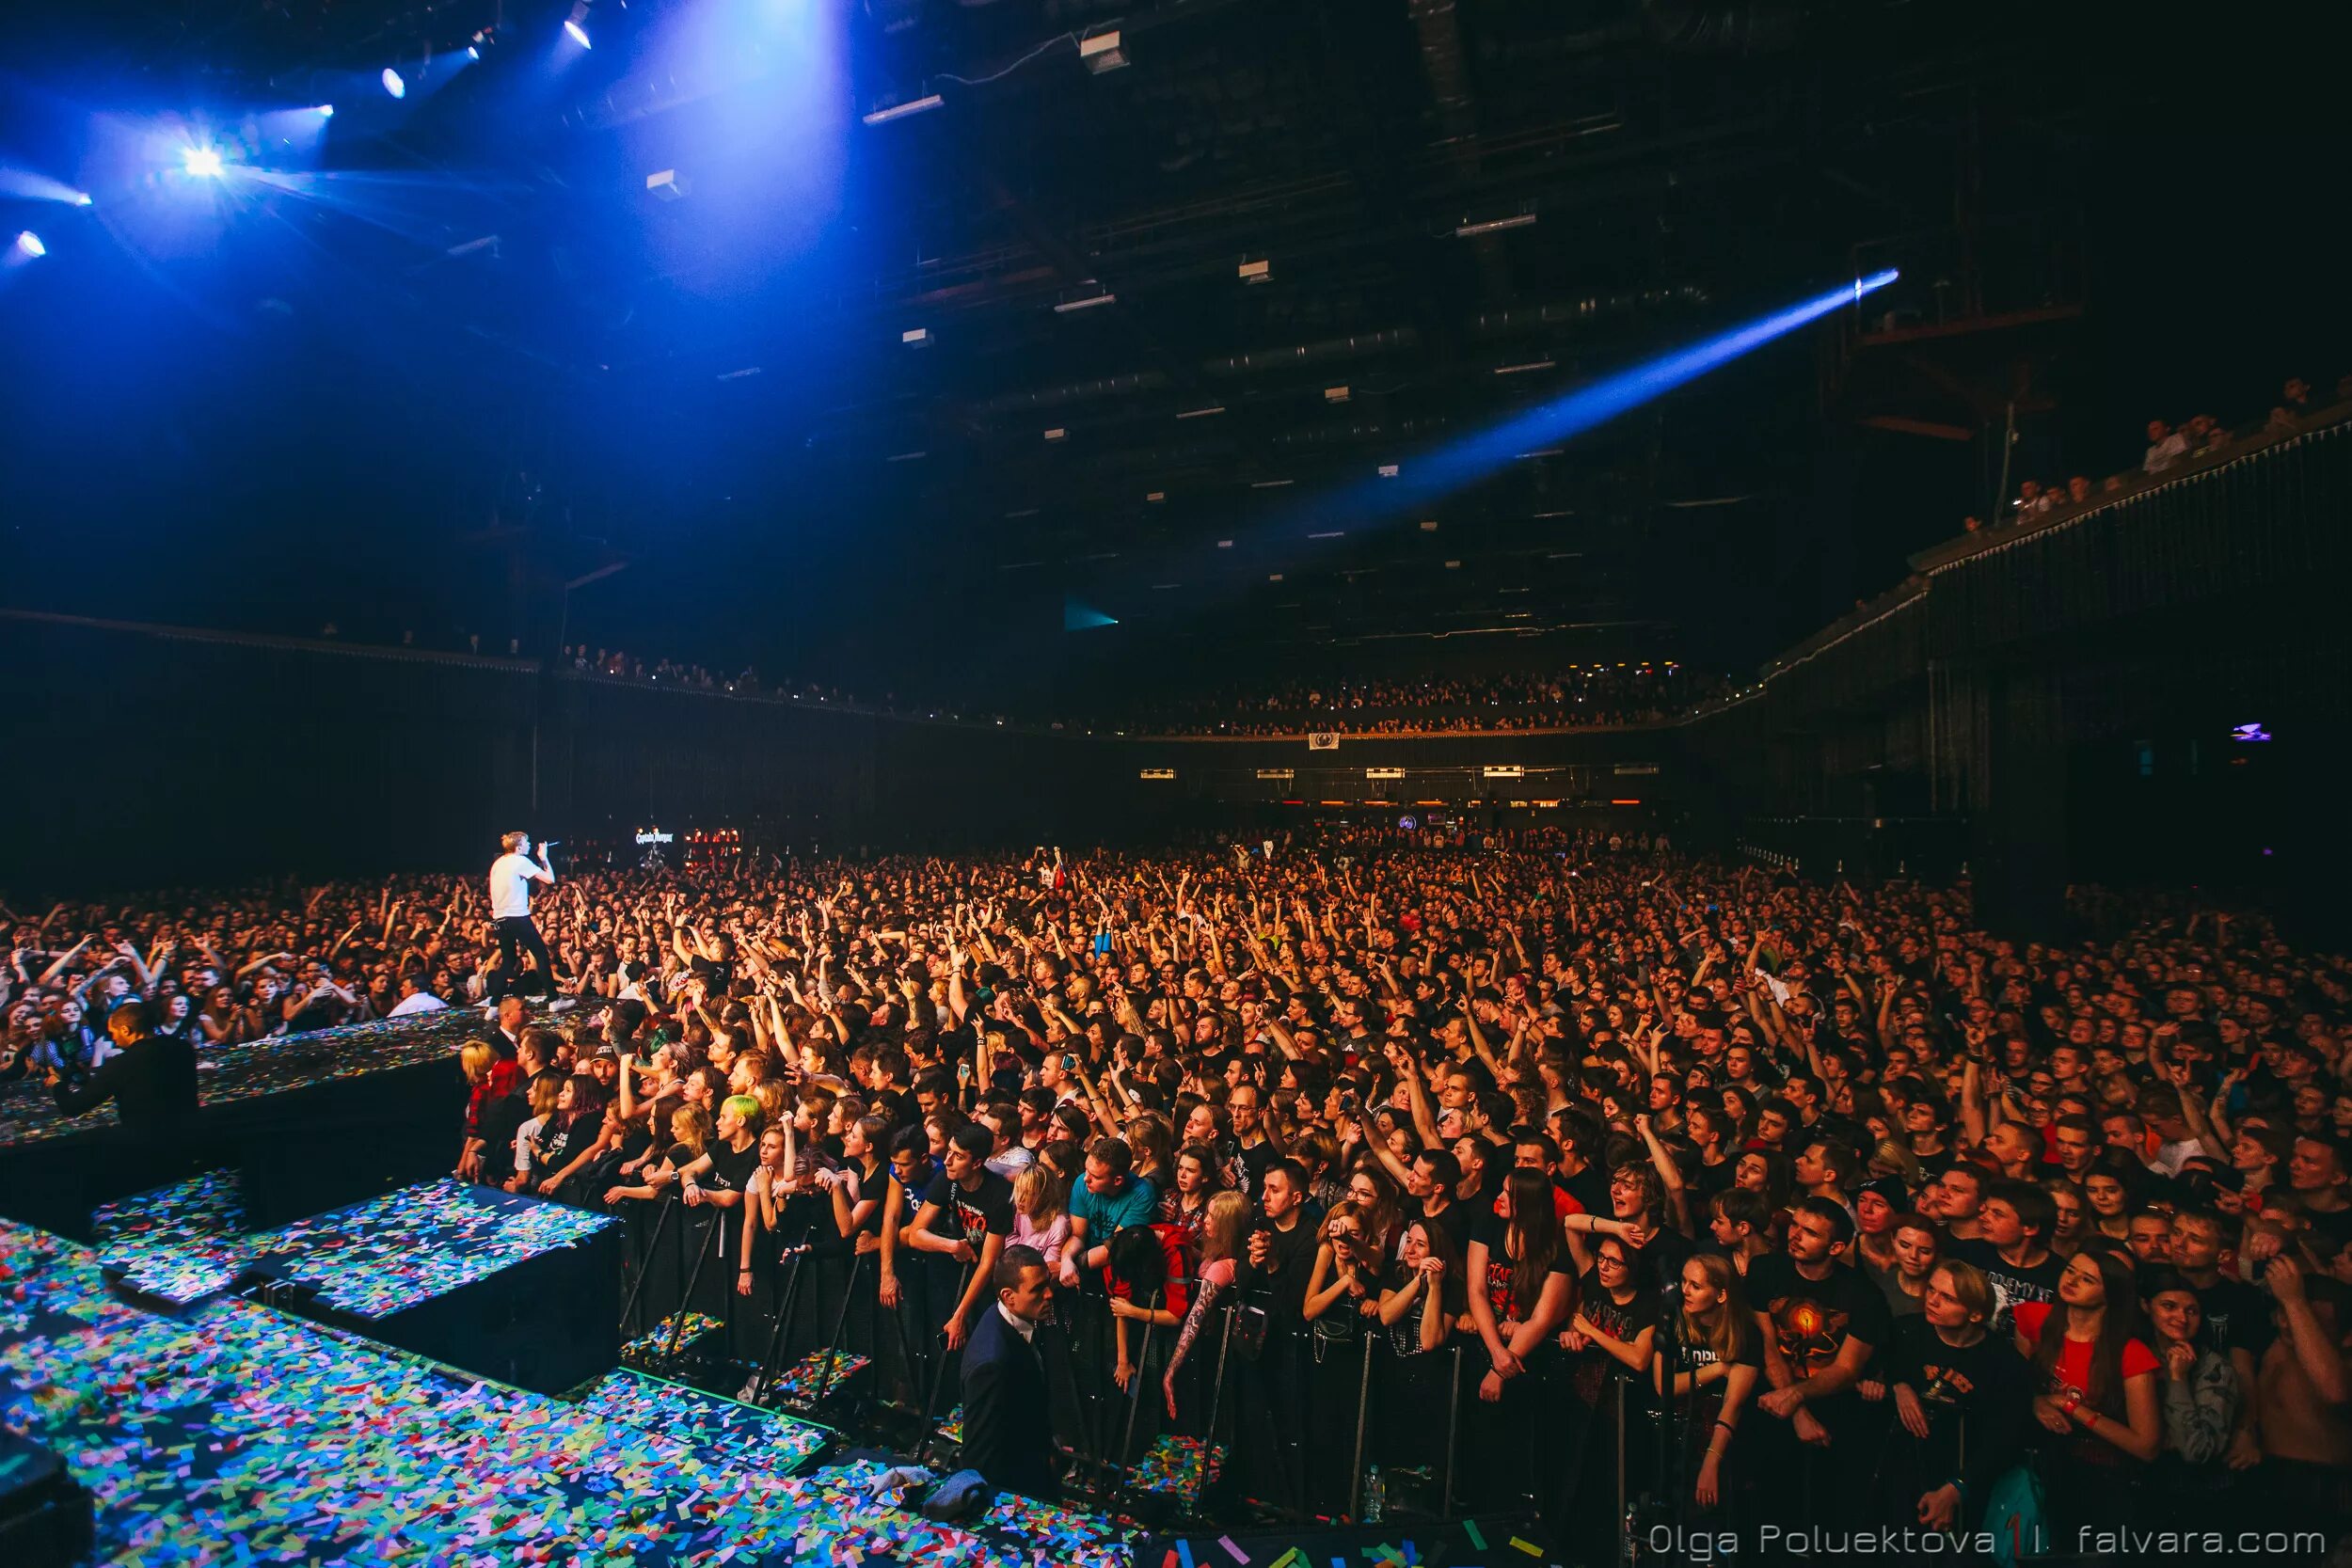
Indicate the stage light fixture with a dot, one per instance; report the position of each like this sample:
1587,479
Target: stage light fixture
201,163
1256,272
668,185
29,242
327,111
889,112
1103,52
394,83
576,24
82,198
918,337
1494,225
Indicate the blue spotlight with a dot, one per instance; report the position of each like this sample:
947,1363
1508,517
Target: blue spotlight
394,83
82,198
473,51
29,242
327,111
201,163
579,33
1543,428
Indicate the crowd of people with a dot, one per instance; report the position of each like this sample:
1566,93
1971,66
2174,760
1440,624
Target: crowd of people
1872,1219
1581,694
2170,447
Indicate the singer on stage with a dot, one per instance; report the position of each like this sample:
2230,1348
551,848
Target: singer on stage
511,875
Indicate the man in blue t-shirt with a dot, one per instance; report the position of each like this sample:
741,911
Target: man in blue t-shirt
1111,1198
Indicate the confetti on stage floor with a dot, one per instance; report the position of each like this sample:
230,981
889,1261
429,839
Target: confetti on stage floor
1178,1467
670,1337
178,1243
801,1382
269,1066
234,1435
1074,1540
758,1439
380,1257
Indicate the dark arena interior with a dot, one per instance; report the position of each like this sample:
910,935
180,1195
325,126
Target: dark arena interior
1173,783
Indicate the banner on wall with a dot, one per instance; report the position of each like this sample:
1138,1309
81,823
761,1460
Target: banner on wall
1323,740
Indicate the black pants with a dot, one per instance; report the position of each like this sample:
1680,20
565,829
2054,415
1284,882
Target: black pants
517,936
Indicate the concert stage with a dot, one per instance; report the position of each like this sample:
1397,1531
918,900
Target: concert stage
518,1288
232,1433
307,1121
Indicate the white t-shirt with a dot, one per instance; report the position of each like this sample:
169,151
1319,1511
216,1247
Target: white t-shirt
423,1002
524,1136
511,876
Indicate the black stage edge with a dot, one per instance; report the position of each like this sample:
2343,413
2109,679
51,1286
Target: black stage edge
298,1151
549,1323
46,1518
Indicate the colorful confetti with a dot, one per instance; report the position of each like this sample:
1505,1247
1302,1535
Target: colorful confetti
1178,1467
1071,1539
952,1428
272,1066
800,1383
759,1439
671,1335
377,1257
234,1435
178,1243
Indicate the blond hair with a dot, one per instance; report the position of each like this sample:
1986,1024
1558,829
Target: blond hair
1038,1193
1223,1227
475,1056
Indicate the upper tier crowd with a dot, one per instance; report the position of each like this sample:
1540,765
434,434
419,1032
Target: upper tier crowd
1578,696
1897,1218
2171,446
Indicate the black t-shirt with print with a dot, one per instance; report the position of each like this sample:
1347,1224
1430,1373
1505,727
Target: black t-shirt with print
1811,1319
561,1141
2011,1284
2236,1316
1594,1367
1705,1403
1975,1398
1493,1230
730,1169
972,1216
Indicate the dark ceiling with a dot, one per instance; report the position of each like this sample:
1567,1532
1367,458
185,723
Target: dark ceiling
719,391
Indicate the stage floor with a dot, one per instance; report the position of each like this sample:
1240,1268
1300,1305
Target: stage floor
230,1432
227,1074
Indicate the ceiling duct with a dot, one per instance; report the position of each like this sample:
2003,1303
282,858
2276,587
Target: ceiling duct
1572,312
1439,29
1072,391
1253,363
1369,430
1351,347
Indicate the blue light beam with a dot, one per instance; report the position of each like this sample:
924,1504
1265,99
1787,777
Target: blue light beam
1464,462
